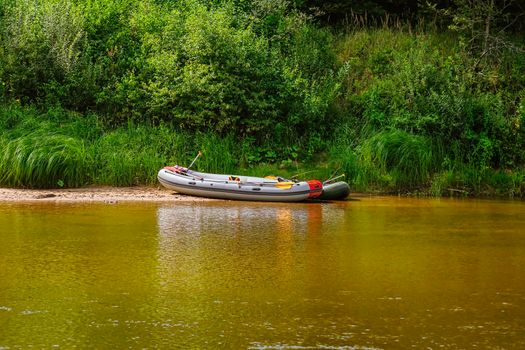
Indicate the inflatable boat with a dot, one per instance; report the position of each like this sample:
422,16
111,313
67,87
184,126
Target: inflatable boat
237,187
335,191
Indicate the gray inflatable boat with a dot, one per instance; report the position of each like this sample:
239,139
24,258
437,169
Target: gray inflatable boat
237,187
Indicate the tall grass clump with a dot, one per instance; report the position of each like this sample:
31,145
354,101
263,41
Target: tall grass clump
60,148
220,154
393,160
129,156
343,158
42,160
398,159
133,155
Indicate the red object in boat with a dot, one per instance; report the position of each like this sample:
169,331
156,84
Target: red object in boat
316,188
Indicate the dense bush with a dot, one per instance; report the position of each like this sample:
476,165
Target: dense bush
414,106
411,84
131,85
194,66
42,44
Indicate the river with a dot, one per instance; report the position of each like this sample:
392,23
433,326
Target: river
371,273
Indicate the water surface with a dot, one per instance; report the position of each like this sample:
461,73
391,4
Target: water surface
381,273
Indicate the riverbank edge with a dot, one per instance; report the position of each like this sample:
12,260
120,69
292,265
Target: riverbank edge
143,193
109,194
100,194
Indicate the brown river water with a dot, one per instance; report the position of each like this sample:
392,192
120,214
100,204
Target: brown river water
372,273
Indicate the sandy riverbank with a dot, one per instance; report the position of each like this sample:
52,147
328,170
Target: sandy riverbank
95,194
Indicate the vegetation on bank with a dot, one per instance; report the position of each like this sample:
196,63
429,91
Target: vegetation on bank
107,92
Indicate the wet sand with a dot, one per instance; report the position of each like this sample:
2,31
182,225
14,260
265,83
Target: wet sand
96,194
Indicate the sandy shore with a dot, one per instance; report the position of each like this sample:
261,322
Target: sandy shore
95,194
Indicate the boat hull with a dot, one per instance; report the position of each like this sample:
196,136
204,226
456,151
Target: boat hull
260,190
335,191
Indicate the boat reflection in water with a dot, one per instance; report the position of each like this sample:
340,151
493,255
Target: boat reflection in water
244,260
245,232
233,218
252,222
375,273
248,241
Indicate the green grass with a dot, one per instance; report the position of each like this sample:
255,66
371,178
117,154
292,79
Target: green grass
398,108
398,162
406,160
44,160
469,181
387,161
59,148
64,149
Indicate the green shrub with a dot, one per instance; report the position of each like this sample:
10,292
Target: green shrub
254,84
428,91
42,43
199,67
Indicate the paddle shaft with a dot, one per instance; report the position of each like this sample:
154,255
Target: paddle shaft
193,161
333,179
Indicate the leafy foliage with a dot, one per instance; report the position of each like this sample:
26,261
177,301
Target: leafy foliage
41,46
116,89
197,67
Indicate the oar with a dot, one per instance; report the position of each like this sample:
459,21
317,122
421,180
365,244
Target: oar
284,185
333,174
198,155
326,182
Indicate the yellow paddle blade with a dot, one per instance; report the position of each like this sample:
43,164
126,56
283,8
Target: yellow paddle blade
284,185
270,177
